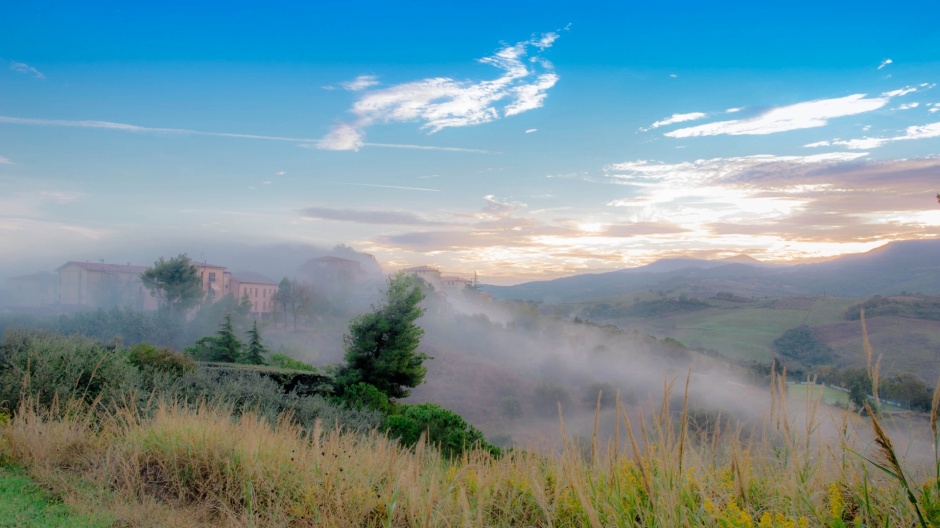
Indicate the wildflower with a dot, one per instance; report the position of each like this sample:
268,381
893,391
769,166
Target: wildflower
836,502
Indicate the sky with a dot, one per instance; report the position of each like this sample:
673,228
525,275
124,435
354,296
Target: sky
518,140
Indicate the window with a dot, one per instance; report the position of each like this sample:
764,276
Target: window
211,276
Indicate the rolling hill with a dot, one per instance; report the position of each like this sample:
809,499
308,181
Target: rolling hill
912,266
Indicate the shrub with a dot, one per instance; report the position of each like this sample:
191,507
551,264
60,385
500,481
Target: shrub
246,391
48,367
148,357
364,396
444,428
284,361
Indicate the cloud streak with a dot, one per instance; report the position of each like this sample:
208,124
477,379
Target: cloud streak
797,116
931,130
22,67
442,102
367,216
304,142
360,83
676,118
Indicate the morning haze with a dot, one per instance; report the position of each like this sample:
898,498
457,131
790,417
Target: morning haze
470,265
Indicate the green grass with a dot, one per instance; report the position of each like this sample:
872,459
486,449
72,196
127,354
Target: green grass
741,330
23,503
829,395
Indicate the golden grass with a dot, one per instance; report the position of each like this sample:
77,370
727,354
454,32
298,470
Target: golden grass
200,467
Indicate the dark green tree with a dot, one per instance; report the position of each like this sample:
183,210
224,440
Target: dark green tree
175,282
223,347
254,354
381,346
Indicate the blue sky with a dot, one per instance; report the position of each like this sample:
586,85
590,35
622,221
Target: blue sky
520,140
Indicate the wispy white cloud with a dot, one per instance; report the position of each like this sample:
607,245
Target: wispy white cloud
360,83
280,173
908,106
931,130
676,118
441,102
885,63
367,216
426,147
900,91
733,110
5,161
22,67
531,130
341,137
797,116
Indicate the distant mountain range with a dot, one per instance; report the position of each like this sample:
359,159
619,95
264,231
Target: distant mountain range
912,266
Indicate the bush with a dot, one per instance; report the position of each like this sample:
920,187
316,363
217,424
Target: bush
246,391
364,396
48,367
284,361
444,428
150,358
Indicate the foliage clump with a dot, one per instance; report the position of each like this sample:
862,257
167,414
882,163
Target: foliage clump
803,345
443,428
176,282
47,368
160,359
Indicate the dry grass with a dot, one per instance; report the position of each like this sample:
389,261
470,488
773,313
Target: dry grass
200,467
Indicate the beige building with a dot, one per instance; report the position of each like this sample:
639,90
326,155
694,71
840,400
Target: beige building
216,281
100,285
429,274
259,290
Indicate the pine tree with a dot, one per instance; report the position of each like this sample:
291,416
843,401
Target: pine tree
223,347
256,351
381,346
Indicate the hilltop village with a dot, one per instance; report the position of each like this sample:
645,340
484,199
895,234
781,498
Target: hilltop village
80,286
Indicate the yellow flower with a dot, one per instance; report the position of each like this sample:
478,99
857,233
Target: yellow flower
836,502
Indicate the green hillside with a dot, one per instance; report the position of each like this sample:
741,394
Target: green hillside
740,330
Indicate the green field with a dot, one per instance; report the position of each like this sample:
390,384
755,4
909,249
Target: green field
23,503
799,393
744,330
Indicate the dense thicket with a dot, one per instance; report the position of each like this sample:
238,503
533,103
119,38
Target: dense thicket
803,345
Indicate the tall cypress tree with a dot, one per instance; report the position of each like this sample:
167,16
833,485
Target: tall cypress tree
255,353
223,347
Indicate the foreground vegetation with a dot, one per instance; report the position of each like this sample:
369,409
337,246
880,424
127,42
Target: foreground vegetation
200,451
